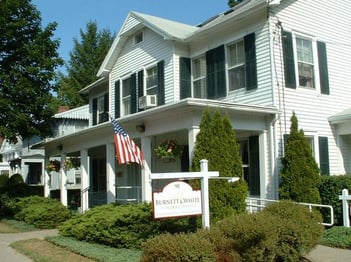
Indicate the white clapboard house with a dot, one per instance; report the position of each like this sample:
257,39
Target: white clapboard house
257,62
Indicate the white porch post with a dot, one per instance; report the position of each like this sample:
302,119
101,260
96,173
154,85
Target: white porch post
262,145
110,173
63,180
192,133
84,167
146,189
46,179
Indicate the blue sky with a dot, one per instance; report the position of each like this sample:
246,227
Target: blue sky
73,15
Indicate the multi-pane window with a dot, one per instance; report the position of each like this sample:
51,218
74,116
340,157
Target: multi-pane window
199,77
101,109
126,96
151,81
305,62
236,65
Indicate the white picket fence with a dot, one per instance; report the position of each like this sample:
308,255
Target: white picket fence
257,204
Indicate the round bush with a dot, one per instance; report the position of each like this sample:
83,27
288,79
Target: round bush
179,247
15,180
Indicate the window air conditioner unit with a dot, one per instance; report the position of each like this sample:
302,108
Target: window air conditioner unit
147,101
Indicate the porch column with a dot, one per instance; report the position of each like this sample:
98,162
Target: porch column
262,144
192,133
110,173
146,189
84,190
46,179
63,181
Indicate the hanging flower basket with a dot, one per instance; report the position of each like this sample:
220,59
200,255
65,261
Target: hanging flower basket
169,150
73,162
53,165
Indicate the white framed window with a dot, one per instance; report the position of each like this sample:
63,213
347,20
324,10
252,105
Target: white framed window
126,97
101,109
305,61
151,80
236,65
138,37
199,77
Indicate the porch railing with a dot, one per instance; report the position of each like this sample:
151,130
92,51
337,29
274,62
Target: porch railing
257,204
128,194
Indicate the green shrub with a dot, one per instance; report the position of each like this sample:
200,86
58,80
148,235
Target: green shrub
330,189
337,237
121,226
15,180
282,232
38,211
178,247
3,180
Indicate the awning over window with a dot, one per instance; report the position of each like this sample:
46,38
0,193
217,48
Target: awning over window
341,117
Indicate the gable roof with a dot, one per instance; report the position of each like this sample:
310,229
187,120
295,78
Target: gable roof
170,30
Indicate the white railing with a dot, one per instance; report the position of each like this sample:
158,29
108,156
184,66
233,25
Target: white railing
257,204
128,194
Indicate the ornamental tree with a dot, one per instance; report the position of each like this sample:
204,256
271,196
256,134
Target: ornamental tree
216,142
299,175
28,59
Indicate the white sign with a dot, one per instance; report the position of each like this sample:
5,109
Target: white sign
177,199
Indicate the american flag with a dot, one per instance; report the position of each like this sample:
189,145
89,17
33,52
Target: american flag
127,151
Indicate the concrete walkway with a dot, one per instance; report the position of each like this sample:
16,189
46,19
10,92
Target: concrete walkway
8,254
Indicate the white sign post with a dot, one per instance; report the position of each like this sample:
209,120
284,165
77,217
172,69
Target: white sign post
345,197
204,175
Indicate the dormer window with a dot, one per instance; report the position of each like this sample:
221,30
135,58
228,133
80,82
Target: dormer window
138,37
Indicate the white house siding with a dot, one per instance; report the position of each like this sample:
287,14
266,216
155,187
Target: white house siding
133,58
328,22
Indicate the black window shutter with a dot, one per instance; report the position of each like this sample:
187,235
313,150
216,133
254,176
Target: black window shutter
105,113
133,93
215,66
254,169
323,155
160,83
140,86
323,67
117,99
94,111
250,61
289,64
185,77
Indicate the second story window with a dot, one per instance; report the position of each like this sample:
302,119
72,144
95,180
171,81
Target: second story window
100,109
199,77
126,96
236,65
151,81
305,62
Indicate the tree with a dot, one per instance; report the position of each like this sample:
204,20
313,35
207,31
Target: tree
28,59
85,59
216,142
300,173
232,3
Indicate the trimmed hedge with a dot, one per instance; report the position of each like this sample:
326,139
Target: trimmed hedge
282,232
330,189
41,212
121,226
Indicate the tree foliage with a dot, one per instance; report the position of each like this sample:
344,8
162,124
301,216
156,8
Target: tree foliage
216,142
300,173
232,3
28,59
85,60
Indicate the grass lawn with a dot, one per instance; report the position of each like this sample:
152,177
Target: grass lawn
60,248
